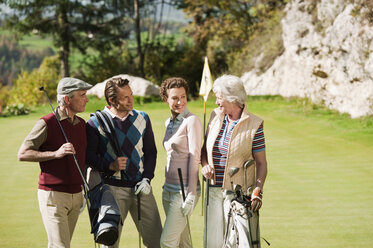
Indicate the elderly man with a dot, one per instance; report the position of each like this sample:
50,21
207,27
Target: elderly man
60,184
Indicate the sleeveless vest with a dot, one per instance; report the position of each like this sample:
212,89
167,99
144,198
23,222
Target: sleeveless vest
239,148
62,174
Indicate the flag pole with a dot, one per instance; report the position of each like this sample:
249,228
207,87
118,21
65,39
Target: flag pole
204,133
206,86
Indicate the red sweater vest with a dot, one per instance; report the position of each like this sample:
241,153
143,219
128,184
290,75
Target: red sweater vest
62,174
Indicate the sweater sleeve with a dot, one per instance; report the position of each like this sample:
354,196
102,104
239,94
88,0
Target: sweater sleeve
194,134
94,158
150,151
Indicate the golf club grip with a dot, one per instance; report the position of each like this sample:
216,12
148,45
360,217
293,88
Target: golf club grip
181,182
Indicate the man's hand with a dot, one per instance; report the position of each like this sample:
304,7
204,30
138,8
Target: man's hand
119,164
64,150
256,199
188,204
143,186
208,171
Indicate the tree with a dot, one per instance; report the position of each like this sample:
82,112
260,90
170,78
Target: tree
78,24
223,27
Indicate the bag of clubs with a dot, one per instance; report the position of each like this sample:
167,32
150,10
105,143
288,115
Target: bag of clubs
242,228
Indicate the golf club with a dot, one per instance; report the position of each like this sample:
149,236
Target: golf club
238,191
183,194
232,172
139,216
86,188
246,165
206,210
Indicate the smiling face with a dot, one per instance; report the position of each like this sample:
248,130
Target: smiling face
124,101
225,106
177,100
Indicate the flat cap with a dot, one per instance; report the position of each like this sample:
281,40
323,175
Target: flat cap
68,84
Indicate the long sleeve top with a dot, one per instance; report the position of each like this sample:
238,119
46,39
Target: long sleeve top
136,138
182,142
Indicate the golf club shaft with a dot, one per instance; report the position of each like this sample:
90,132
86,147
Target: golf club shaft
139,216
183,194
64,134
206,210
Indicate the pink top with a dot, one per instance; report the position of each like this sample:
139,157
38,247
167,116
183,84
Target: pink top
183,147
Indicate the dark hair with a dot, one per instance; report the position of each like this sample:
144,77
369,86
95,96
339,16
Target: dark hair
111,88
173,82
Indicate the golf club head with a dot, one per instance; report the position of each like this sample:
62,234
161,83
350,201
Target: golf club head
41,88
248,163
233,171
237,187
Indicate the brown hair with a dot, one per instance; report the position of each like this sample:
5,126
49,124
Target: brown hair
173,82
111,88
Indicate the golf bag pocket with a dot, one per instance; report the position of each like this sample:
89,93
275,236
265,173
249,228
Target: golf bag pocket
104,214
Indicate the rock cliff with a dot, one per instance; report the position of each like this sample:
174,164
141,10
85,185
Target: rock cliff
328,56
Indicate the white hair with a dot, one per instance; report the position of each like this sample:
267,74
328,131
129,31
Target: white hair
60,98
231,89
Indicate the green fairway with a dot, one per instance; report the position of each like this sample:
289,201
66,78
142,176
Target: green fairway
318,193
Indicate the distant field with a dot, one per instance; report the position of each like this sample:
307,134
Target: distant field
318,192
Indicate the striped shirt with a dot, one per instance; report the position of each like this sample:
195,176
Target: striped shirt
220,149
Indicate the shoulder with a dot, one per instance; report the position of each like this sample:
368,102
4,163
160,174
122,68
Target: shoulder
192,118
138,113
48,117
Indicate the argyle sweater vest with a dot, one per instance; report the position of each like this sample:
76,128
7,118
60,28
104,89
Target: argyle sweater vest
131,134
62,174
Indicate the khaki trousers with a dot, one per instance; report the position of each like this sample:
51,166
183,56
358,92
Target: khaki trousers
175,231
60,212
151,226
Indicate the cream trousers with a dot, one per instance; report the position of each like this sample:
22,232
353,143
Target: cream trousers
60,212
175,231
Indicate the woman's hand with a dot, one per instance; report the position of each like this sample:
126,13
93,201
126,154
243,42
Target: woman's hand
207,171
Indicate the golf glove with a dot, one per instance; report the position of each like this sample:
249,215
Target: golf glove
256,199
188,204
143,186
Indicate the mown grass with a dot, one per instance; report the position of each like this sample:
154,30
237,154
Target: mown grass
318,192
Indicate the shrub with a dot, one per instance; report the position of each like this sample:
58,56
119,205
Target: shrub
26,87
15,109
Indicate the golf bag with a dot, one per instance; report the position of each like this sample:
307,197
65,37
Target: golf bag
242,225
104,214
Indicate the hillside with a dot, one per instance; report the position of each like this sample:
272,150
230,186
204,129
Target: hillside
328,56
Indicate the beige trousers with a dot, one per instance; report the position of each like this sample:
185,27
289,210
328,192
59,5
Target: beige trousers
175,231
151,226
60,212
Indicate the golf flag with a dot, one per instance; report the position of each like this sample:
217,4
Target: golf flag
205,88
206,81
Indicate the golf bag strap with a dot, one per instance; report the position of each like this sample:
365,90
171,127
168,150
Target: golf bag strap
107,126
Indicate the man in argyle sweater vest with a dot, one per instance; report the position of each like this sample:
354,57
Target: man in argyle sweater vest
136,139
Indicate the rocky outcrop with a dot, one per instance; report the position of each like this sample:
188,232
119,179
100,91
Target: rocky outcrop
328,57
139,86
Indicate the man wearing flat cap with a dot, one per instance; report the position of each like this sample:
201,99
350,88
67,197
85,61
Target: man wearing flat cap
60,184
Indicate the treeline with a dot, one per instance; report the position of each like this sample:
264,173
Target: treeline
14,59
116,37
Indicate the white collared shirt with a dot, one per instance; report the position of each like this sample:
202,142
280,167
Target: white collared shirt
115,116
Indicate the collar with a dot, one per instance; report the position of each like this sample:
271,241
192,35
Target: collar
245,113
61,115
181,116
107,109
